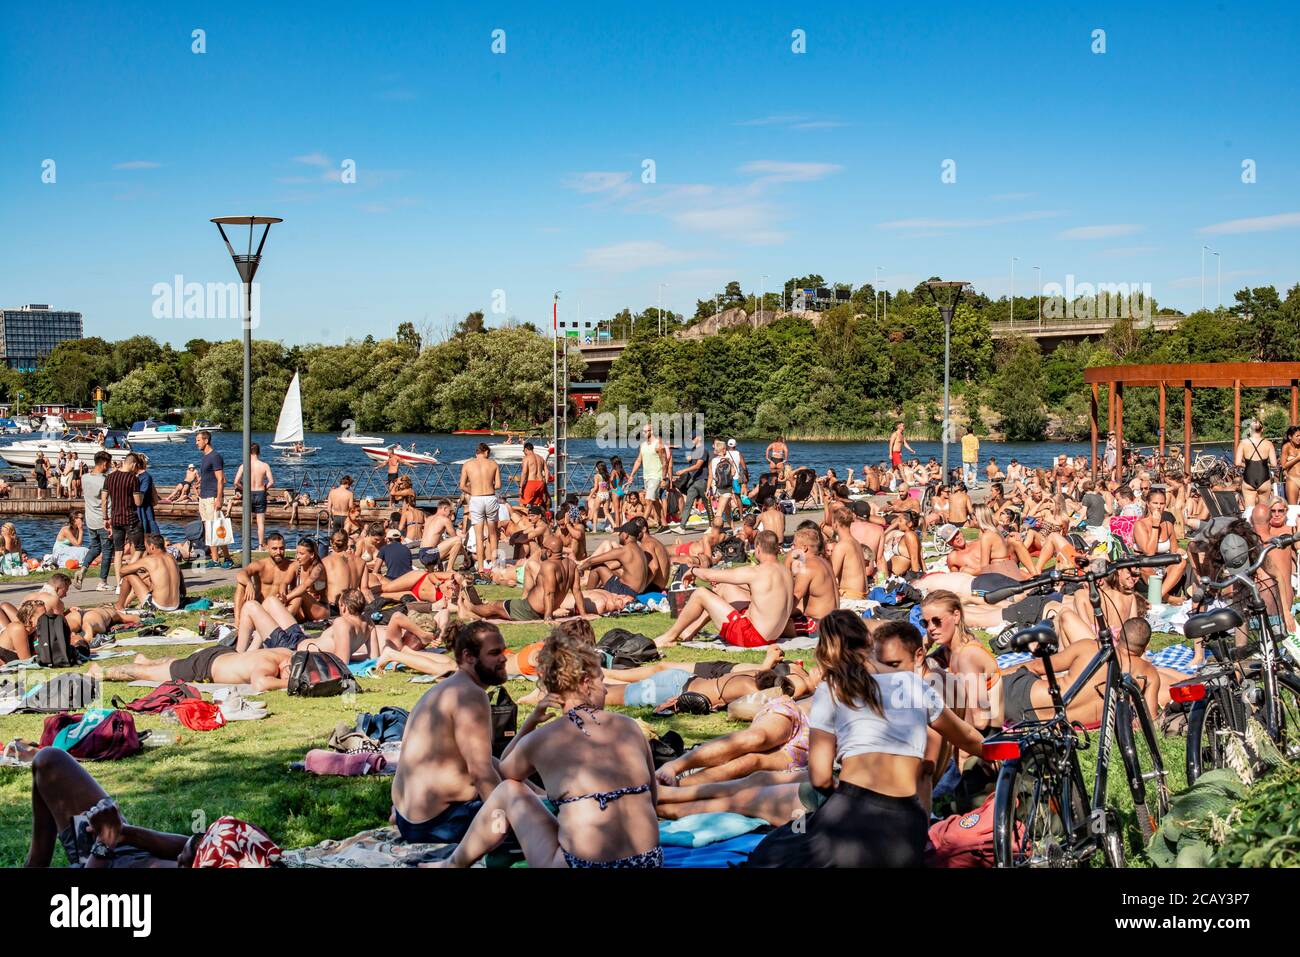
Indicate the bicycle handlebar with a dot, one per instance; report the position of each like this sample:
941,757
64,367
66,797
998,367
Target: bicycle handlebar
1055,576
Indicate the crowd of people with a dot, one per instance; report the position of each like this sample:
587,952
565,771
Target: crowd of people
856,750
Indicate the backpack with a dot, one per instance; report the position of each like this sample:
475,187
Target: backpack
166,695
625,649
729,551
69,692
723,474
53,644
112,737
319,674
505,721
963,840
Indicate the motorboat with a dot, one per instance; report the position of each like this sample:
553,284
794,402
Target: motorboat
151,432
288,430
512,453
361,440
24,453
405,456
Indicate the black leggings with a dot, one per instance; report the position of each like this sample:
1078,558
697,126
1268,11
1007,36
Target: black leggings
860,828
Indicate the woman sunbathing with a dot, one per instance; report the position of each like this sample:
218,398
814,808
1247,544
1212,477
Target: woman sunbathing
595,765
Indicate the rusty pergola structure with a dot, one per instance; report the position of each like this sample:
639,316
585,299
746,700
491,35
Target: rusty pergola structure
1196,375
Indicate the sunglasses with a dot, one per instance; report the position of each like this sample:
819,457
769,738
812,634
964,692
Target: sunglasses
1278,511
933,622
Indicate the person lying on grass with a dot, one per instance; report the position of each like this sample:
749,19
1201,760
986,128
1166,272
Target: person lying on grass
69,805
776,740
266,669
100,621
269,624
595,765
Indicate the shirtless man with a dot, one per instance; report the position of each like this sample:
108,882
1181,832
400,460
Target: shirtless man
962,557
556,578
51,595
340,502
265,669
480,479
303,587
847,563
447,769
440,542
1025,694
1119,601
815,591
896,445
154,580
627,556
1268,517
768,586
574,535
344,570
257,579
260,480
661,565
532,478
16,637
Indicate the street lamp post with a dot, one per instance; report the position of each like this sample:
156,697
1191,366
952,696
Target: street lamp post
875,293
1218,282
661,309
1013,291
762,291
951,293
246,265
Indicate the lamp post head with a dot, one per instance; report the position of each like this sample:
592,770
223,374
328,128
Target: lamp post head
946,295
246,263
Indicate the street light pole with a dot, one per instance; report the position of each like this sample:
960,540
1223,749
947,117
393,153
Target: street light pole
1038,286
952,292
246,265
875,293
1013,291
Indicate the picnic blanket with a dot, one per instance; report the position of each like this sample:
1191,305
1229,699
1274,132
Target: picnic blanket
798,643
176,639
379,847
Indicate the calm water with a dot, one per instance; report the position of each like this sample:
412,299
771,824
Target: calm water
167,462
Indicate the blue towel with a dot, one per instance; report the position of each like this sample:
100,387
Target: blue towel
699,830
650,596
1011,659
201,604
363,669
723,854
1175,658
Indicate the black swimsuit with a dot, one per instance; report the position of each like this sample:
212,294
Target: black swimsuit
1257,470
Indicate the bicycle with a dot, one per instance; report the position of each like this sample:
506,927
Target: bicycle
1040,817
1257,679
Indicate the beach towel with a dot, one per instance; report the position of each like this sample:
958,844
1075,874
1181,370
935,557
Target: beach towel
701,830
380,847
178,637
799,643
729,853
352,764
206,687
1175,658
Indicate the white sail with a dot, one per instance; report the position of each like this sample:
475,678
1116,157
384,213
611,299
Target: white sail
289,428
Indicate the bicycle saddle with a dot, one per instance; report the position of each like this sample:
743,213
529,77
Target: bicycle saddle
1042,635
1212,622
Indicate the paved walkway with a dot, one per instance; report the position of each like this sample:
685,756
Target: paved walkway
196,579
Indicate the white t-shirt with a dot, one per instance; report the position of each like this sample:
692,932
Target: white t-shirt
909,705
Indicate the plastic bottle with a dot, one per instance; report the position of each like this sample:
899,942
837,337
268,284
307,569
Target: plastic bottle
1155,585
203,624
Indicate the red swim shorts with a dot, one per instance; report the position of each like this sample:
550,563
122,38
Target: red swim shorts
534,493
740,631
896,457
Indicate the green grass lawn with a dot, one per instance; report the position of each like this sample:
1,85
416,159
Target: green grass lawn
243,768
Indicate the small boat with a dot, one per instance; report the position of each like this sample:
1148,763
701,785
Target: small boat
512,453
476,432
361,440
203,425
152,432
24,453
405,456
288,429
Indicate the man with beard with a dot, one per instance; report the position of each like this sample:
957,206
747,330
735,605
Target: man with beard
1119,602
257,579
447,769
633,565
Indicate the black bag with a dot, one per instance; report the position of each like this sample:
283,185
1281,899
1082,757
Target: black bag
505,721
729,551
319,674
54,647
667,747
625,649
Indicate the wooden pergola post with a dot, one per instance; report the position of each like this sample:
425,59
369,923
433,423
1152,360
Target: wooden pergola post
1093,416
1187,426
1119,431
1110,410
1295,401
1162,420
1236,415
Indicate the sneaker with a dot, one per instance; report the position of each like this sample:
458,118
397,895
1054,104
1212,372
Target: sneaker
105,586
227,564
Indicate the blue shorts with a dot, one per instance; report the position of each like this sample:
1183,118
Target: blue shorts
657,689
257,502
285,638
449,827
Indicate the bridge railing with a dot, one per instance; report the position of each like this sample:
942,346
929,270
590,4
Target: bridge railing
430,482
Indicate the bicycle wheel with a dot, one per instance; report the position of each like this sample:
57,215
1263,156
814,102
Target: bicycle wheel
1143,764
1288,693
1206,728
1028,826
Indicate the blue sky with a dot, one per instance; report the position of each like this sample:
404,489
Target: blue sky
522,171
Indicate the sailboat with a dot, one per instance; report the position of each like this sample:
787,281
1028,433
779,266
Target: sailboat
288,430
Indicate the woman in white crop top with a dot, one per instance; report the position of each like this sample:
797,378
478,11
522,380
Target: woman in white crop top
872,721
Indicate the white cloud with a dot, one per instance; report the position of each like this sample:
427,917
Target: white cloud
137,164
635,254
777,171
944,224
313,159
1257,224
1106,231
